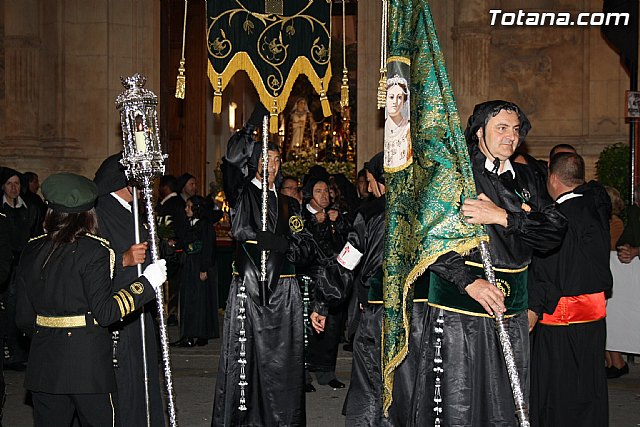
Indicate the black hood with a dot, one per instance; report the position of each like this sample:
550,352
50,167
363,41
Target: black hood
110,175
484,111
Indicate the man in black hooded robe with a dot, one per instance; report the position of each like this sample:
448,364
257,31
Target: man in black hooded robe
116,222
475,387
272,314
329,228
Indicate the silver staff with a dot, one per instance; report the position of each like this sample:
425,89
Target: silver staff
143,329
264,286
143,161
522,412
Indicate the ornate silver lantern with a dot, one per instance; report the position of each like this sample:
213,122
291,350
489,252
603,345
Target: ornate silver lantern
143,161
142,156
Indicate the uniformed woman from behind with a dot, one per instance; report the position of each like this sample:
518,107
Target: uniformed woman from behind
65,301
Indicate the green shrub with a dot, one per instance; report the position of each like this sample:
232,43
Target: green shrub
613,168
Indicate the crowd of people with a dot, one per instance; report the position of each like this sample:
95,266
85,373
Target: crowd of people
76,279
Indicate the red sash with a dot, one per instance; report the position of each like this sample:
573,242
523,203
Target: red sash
579,309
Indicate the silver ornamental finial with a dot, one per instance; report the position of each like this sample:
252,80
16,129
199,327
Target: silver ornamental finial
142,153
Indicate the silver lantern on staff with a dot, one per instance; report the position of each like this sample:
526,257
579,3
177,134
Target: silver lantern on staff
143,161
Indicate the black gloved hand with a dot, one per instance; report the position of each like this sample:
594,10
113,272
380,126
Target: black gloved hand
267,241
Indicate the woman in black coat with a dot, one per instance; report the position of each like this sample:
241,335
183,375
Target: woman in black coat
65,302
199,284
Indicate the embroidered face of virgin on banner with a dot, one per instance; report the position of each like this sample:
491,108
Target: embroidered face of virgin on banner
397,135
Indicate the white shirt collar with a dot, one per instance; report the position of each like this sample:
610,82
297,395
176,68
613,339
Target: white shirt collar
19,202
255,181
170,195
310,209
508,167
567,196
122,201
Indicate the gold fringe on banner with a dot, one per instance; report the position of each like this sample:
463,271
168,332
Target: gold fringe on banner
242,61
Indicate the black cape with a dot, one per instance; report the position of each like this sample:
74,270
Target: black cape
116,225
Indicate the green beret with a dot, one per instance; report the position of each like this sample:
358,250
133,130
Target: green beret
70,193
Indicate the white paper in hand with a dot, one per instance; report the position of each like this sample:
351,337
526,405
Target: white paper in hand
349,257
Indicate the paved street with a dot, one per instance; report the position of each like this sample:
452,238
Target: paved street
194,373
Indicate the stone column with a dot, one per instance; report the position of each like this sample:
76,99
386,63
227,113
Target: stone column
471,38
370,128
22,46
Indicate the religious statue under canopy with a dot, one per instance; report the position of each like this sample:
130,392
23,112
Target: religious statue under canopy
300,136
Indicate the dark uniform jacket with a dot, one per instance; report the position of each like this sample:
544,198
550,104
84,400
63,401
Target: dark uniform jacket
72,280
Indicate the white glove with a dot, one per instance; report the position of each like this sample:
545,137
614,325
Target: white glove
156,273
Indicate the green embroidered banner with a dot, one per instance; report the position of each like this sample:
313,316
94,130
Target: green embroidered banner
273,49
427,171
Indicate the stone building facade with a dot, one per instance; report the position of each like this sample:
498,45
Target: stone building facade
60,63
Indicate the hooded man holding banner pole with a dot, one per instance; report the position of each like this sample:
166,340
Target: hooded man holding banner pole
450,193
474,384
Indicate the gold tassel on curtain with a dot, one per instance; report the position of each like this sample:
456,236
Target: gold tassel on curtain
382,84
324,102
217,96
273,117
181,81
344,89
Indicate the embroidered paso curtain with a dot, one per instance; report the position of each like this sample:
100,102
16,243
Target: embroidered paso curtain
273,49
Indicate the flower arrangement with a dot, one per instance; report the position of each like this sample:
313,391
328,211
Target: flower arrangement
298,168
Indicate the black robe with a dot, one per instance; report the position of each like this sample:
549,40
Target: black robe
274,332
198,299
322,349
116,225
475,385
172,222
24,222
363,404
568,382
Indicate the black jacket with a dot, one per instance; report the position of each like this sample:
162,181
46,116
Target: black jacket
540,230
581,264
72,280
